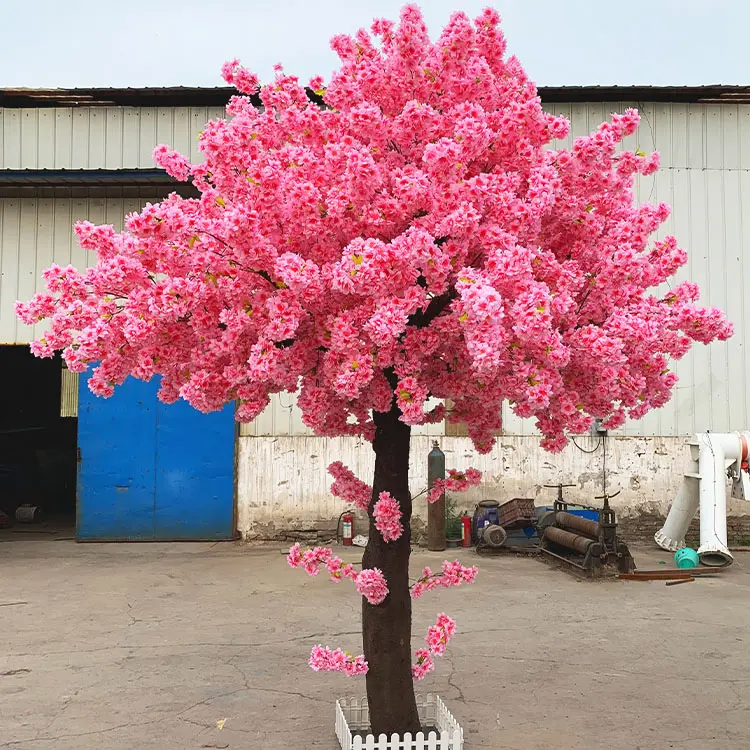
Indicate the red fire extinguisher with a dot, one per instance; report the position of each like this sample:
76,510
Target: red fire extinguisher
347,528
466,531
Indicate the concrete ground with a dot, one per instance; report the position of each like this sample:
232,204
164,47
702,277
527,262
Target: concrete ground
133,647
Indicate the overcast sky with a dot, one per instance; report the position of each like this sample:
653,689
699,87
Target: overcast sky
85,43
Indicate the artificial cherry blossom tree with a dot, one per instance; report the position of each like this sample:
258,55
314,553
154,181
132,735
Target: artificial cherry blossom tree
409,232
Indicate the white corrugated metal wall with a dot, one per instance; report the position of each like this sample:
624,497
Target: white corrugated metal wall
97,137
705,176
36,232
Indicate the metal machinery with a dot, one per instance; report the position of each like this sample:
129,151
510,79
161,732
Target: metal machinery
493,522
584,546
490,537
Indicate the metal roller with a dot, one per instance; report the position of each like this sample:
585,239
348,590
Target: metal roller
568,540
576,523
584,546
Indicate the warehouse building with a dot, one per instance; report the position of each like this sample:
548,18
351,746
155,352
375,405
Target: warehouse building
132,468
123,468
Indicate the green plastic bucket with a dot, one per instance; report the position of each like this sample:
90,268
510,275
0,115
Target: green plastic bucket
686,558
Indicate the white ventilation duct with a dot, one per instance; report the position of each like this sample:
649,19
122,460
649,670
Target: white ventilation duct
713,457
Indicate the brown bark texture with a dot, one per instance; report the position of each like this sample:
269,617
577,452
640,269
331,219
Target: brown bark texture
386,628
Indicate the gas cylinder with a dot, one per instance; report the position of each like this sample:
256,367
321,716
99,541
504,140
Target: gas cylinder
436,510
347,529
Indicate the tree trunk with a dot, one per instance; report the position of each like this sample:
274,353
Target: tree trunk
386,629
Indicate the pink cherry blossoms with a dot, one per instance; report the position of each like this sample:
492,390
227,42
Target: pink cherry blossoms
423,222
453,574
348,487
387,515
336,660
386,511
370,582
437,639
457,481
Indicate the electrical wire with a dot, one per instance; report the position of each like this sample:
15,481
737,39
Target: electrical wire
601,443
584,450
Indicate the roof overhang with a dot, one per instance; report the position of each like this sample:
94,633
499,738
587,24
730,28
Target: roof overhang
185,96
105,181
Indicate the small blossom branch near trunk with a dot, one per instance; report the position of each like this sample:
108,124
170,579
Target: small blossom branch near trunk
336,660
348,487
370,582
387,516
457,481
421,237
453,574
436,639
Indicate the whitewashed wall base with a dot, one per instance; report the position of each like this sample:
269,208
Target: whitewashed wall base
353,715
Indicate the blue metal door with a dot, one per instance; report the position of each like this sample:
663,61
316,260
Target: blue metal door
194,495
149,470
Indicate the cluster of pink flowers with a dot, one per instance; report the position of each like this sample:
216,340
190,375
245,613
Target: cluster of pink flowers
457,481
172,162
453,574
424,664
336,660
311,559
370,582
439,634
348,487
387,515
437,639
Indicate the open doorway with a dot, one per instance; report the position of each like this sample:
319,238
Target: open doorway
38,432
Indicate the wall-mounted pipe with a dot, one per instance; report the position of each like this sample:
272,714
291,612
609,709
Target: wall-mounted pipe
712,457
671,536
713,452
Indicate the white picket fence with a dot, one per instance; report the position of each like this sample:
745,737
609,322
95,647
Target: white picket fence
353,715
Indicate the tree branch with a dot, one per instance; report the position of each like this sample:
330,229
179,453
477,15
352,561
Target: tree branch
262,274
423,318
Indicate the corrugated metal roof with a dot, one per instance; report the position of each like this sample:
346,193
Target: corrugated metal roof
150,183
176,96
185,96
717,94
88,177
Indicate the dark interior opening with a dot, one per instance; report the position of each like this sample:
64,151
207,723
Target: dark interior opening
37,445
